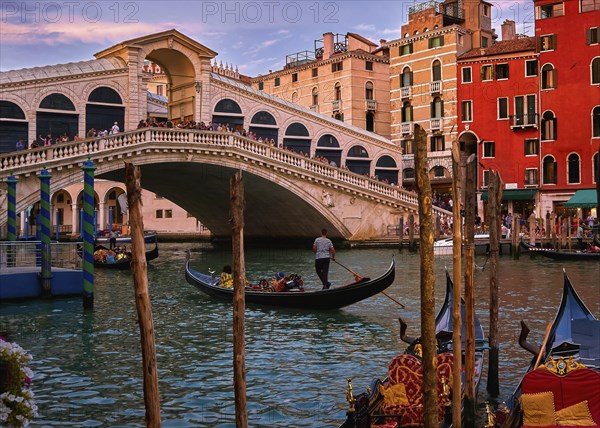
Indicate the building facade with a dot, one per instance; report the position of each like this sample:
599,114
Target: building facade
345,77
498,99
423,67
567,35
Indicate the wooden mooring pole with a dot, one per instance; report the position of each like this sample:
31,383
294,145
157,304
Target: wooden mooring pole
428,340
239,302
401,226
470,202
494,201
142,296
457,280
412,246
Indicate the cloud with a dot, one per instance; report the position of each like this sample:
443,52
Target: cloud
364,27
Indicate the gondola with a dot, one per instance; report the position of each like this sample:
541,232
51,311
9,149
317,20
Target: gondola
560,254
377,405
149,238
333,298
567,365
124,263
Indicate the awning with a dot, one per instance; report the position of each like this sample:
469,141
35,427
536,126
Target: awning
513,195
585,198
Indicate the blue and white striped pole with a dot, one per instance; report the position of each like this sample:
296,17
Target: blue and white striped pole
44,221
88,234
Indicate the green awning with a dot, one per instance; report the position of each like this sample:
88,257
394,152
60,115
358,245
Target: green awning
585,198
513,195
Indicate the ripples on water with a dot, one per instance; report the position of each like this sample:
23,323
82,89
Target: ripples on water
88,364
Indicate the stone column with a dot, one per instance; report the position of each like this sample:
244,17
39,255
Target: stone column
74,220
102,215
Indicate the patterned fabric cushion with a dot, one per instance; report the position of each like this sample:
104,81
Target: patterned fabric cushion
538,409
575,415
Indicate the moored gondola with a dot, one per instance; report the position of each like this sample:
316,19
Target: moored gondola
398,399
561,254
120,263
564,372
333,298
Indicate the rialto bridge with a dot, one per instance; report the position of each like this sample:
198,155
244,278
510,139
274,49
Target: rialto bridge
290,191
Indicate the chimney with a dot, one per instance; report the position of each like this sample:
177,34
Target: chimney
327,45
509,30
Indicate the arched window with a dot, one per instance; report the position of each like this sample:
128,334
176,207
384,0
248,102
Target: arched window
358,161
315,97
436,71
329,148
369,91
548,77
550,170
407,78
437,108
57,102
596,71
338,91
263,118
13,126
10,110
386,169
105,95
358,152
549,126
408,174
228,106
596,122
264,126
407,111
574,176
297,138
295,97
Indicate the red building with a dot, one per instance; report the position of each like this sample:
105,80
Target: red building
567,35
498,116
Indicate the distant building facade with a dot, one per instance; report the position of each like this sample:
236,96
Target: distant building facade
345,77
423,74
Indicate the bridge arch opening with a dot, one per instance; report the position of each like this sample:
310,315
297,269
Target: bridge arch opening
61,202
104,107
328,147
387,169
115,211
57,117
297,138
181,89
13,126
357,160
264,125
228,112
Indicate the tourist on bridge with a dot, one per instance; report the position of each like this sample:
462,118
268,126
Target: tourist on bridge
324,252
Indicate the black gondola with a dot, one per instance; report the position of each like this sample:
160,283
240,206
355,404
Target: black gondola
573,342
561,254
149,238
125,262
369,408
332,298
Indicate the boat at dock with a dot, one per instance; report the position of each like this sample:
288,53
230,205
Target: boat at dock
103,238
555,254
105,258
398,400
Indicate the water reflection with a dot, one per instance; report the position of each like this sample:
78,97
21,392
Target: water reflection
88,364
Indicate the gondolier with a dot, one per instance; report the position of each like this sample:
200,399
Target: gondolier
324,252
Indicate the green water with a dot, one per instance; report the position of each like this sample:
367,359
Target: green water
87,364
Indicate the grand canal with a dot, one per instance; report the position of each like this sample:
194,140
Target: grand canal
87,364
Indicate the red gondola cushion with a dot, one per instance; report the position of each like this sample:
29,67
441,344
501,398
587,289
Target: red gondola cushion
577,386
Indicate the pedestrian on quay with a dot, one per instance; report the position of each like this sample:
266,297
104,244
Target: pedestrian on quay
324,252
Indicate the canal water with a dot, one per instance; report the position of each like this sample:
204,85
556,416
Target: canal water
87,364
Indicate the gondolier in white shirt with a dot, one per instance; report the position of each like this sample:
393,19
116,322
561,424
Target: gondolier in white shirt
324,252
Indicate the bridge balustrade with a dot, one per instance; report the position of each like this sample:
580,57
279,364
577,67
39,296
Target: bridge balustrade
39,157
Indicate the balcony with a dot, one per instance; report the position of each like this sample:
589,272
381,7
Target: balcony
314,108
406,128
436,124
336,105
435,87
406,92
522,121
371,105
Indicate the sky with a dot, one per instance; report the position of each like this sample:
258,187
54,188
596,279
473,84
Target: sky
255,36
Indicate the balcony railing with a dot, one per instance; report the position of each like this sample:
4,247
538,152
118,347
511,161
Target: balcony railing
406,127
436,124
371,105
524,121
406,92
336,104
435,87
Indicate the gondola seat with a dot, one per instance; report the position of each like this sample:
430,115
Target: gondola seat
405,385
553,400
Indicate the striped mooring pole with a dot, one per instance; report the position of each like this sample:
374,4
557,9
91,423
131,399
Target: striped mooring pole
44,220
88,234
11,230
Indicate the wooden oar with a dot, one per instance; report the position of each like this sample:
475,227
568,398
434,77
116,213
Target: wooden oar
542,348
359,277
